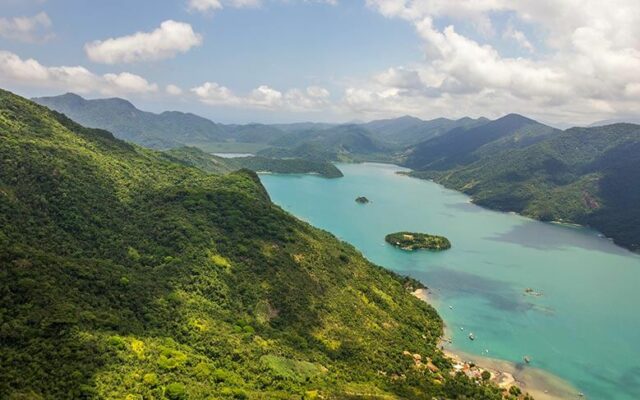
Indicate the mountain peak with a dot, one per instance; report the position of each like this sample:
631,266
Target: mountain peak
513,117
120,102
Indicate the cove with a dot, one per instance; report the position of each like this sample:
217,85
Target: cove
585,326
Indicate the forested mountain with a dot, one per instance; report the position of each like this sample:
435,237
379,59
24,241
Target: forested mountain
343,142
407,130
463,146
169,129
210,163
589,176
127,275
172,129
165,130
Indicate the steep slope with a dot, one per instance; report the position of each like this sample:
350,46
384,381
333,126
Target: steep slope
169,129
589,176
126,275
119,116
463,146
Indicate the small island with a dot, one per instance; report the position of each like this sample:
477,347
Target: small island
362,200
413,241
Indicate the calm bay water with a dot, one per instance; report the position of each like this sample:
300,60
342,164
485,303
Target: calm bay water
584,328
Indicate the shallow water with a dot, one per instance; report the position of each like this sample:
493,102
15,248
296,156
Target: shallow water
584,328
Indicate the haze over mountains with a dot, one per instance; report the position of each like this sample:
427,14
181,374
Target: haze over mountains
580,175
173,129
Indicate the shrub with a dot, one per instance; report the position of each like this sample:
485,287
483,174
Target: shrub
176,391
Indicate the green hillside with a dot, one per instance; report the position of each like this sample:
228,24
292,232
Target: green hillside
340,143
464,145
126,275
169,129
589,176
210,163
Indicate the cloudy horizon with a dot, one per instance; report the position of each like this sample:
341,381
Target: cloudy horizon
563,62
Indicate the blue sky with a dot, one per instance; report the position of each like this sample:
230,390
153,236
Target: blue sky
330,60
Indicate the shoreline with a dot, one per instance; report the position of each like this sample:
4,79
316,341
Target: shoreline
540,384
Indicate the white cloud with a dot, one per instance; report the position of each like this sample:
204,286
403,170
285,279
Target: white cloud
588,68
264,97
313,98
166,41
16,71
213,94
27,29
519,37
173,90
129,83
205,6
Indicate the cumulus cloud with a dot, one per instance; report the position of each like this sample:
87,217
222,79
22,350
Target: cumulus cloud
29,72
27,29
173,90
519,37
587,69
264,97
166,41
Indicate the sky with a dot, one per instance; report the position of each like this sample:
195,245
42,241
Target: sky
564,62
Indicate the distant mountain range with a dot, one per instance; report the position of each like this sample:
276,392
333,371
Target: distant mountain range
166,130
464,145
589,176
172,129
628,120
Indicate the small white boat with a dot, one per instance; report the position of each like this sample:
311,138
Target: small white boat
471,336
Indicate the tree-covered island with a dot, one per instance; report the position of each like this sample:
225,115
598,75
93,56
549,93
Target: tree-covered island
413,241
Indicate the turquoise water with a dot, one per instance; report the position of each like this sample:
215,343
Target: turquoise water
585,327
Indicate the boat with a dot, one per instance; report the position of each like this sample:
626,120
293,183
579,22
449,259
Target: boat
527,359
471,336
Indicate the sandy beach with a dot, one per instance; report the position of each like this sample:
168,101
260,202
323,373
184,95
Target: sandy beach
538,383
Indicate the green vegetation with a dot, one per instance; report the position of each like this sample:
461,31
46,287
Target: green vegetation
413,241
589,176
289,166
372,141
126,275
340,143
214,164
462,145
230,147
407,130
165,130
